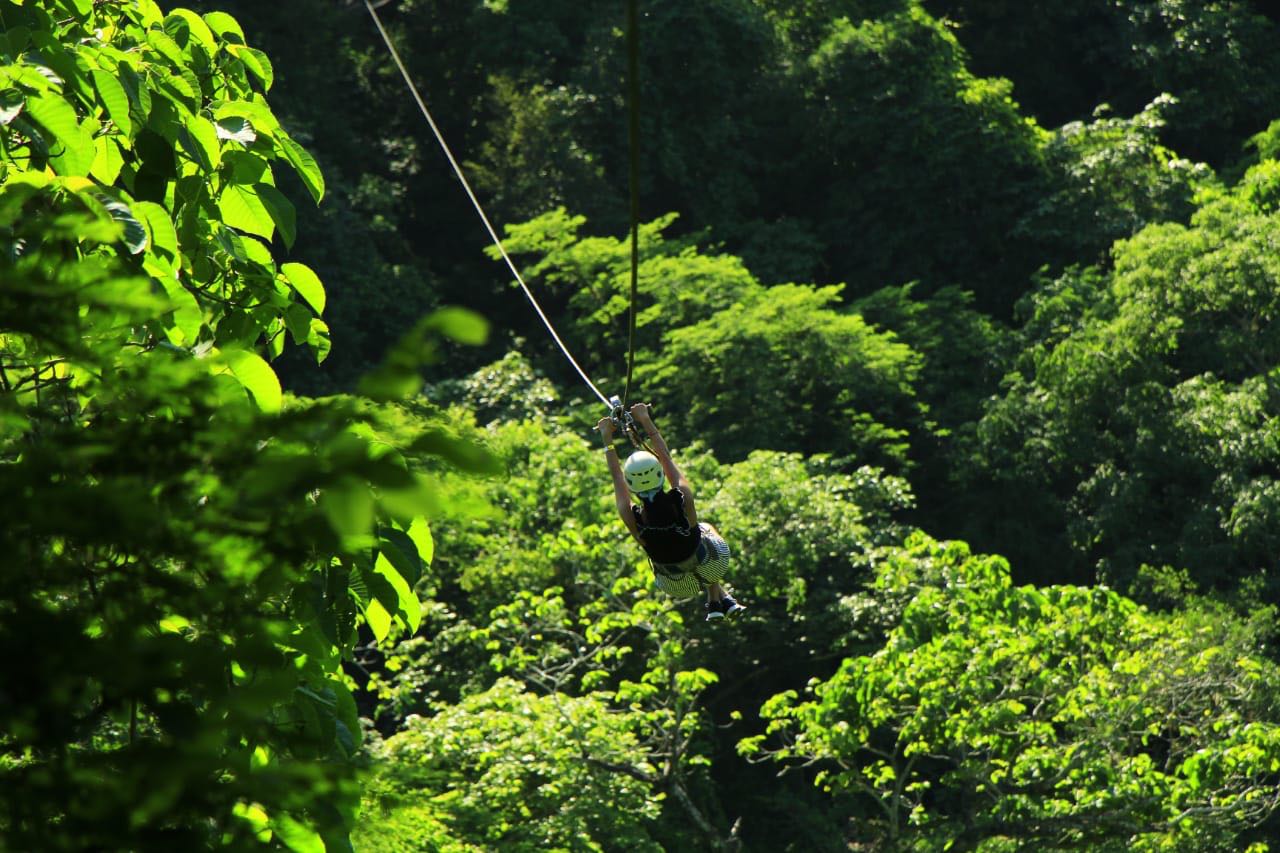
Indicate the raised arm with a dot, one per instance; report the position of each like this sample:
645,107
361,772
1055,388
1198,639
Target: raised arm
621,495
675,477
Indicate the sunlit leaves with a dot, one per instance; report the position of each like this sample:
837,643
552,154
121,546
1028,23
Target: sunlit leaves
1040,709
1106,422
257,377
181,539
242,208
306,283
114,99
548,785
71,150
305,165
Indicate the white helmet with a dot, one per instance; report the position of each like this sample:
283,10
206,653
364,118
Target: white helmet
643,472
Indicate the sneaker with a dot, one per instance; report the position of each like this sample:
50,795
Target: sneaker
730,607
714,610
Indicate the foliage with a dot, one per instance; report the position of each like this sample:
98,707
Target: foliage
781,368
188,555
1066,58
1114,178
206,579
1142,409
1062,718
505,769
801,531
785,371
926,171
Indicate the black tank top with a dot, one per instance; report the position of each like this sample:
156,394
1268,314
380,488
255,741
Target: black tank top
665,531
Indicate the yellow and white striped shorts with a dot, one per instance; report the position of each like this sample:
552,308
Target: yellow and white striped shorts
709,565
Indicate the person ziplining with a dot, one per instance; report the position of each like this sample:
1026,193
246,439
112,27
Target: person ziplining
687,555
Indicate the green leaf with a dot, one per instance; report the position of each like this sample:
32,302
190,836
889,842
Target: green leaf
257,377
188,316
345,709
406,603
71,148
81,8
281,211
245,168
459,452
420,533
264,121
224,25
108,160
401,551
306,283
256,61
297,836
378,618
166,47
297,319
197,27
16,38
114,99
464,326
305,165
318,339
241,208
164,237
199,138
15,194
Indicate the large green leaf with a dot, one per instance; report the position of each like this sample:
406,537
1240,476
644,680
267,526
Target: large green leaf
297,319
349,507
108,160
378,618
281,210
257,377
241,167
71,149
297,836
256,61
166,47
406,604
197,27
460,324
188,316
307,283
459,452
225,25
264,121
402,552
241,208
305,165
420,533
199,138
318,339
114,99
164,237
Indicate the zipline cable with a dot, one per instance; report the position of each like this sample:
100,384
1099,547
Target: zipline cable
633,149
422,105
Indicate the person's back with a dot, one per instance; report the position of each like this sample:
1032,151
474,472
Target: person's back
665,531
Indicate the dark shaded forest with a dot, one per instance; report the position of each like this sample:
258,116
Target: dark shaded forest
959,316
